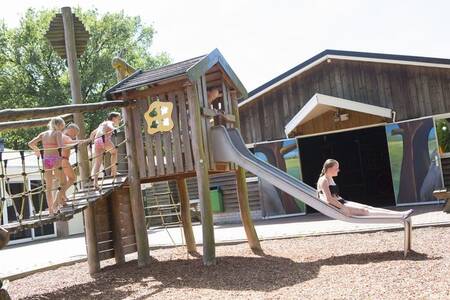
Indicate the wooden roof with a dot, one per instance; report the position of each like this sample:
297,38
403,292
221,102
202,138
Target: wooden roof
55,35
192,69
142,78
343,55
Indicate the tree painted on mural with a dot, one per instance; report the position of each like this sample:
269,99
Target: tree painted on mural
33,75
443,135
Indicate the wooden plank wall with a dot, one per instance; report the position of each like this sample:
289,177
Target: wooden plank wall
411,91
104,224
227,182
206,125
325,122
169,152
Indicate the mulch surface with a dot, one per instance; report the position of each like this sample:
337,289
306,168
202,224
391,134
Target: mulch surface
347,266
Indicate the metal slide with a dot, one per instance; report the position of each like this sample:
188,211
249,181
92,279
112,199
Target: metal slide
228,146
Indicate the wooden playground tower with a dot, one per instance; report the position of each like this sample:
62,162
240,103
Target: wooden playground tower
202,91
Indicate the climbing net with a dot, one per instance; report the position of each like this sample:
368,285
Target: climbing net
19,200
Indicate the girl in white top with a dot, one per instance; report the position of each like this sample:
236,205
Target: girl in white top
329,192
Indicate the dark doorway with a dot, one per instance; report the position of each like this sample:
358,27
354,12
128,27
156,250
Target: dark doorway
363,156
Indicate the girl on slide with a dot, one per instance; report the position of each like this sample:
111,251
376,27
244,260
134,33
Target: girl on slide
52,143
329,192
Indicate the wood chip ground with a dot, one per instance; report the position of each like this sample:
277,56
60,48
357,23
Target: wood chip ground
347,266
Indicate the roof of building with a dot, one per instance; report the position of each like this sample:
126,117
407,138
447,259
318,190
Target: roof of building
344,55
319,103
192,68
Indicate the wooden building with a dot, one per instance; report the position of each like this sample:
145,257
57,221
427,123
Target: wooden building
341,104
412,87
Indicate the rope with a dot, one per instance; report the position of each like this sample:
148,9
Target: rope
23,196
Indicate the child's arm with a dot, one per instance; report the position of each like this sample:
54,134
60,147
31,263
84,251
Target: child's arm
93,134
33,144
59,139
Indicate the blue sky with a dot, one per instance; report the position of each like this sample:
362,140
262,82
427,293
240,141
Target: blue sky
262,39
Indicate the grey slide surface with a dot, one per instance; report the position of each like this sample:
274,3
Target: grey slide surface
228,146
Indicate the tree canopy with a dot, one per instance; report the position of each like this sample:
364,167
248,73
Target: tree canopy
33,75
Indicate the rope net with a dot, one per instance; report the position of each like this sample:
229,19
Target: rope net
18,201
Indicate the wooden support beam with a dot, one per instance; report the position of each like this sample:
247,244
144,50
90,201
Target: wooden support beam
244,206
186,174
115,207
209,112
75,89
4,126
4,237
186,216
137,205
45,112
201,168
91,239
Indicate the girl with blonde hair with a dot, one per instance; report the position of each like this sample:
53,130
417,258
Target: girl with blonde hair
52,144
329,192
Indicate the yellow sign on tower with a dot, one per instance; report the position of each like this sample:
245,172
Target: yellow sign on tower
159,117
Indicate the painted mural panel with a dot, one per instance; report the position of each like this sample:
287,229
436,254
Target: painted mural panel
285,156
414,160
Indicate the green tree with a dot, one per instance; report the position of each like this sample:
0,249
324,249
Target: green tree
33,75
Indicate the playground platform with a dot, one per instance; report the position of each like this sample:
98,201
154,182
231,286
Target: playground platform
19,260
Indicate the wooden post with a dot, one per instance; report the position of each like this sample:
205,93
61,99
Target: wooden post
447,206
201,168
4,237
186,215
75,89
244,207
137,205
115,207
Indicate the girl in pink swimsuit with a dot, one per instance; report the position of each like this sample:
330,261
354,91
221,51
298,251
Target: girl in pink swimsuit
52,144
102,142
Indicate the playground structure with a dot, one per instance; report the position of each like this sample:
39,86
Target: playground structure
192,110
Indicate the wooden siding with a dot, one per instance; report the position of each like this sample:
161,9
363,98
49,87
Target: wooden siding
411,91
325,122
167,153
104,224
227,182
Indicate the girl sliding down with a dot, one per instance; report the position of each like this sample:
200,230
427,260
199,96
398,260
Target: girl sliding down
329,192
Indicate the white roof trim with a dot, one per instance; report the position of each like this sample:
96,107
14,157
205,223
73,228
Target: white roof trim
324,101
334,56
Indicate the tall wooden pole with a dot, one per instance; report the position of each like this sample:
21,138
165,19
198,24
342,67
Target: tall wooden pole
115,205
201,168
186,215
137,205
75,89
244,206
